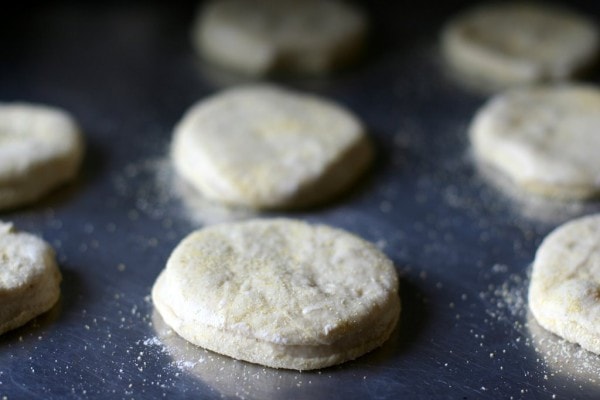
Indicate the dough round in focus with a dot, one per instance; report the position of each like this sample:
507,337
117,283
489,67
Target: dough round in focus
508,44
280,293
565,282
265,147
29,277
260,36
544,138
40,148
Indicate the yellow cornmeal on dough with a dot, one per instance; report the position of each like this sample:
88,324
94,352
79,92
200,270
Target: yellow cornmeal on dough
280,293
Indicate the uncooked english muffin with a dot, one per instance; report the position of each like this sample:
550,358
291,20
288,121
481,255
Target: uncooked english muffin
280,293
565,282
257,37
40,148
265,147
506,44
545,139
29,277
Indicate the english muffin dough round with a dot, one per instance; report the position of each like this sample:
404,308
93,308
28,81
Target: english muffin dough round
280,293
507,44
40,148
544,138
29,277
265,147
565,282
260,36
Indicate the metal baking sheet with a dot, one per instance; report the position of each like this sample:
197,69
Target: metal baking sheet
461,240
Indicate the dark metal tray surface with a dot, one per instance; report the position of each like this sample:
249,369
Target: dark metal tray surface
461,241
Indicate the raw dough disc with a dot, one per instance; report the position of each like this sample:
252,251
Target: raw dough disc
29,277
280,293
265,147
40,148
258,36
515,43
545,138
565,282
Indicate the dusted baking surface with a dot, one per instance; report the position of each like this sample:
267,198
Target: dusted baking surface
461,239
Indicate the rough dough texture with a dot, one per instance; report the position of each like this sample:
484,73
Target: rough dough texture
280,293
29,277
260,36
545,138
565,282
508,44
265,147
40,148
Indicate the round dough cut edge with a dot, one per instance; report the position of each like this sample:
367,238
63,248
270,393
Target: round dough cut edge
364,333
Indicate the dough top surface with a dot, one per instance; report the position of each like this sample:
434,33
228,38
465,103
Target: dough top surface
22,258
543,135
279,281
260,143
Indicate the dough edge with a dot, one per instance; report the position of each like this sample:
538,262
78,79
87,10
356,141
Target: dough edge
269,354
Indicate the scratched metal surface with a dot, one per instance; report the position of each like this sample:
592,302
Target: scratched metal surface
461,240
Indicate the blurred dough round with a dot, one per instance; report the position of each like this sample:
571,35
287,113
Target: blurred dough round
40,148
29,277
264,147
280,293
544,138
565,283
259,36
507,44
